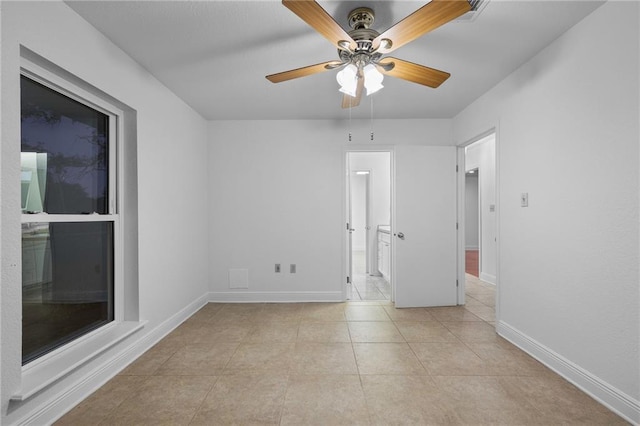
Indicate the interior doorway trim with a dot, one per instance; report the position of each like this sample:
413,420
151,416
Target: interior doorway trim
494,130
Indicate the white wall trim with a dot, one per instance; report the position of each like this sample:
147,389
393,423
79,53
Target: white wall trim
275,296
491,279
81,389
614,399
472,248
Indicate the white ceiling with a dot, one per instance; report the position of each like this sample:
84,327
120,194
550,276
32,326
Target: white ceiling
215,54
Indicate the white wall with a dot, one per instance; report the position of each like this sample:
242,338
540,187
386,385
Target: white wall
481,155
567,133
380,165
277,196
171,172
471,213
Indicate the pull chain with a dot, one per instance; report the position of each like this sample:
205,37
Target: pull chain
371,116
350,106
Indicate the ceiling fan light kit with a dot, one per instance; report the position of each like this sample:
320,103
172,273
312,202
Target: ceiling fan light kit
361,50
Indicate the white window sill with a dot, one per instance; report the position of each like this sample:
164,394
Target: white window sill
40,374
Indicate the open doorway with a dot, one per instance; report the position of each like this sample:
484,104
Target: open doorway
480,227
369,223
472,223
480,166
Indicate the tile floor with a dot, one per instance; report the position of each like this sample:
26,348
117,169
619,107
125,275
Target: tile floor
339,364
365,286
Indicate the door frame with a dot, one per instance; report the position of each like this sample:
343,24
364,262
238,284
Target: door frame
461,213
346,267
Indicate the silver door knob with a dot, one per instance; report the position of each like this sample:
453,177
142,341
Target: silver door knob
401,235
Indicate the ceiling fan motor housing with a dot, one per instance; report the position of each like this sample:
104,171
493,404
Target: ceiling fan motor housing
360,20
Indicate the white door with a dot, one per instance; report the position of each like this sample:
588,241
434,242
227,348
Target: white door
425,226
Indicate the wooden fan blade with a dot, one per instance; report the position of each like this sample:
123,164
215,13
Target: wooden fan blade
420,22
316,17
303,72
413,72
350,101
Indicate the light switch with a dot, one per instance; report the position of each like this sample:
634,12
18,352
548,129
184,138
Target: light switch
524,199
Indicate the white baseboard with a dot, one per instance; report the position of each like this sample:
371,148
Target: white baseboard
75,392
472,248
614,399
275,296
488,278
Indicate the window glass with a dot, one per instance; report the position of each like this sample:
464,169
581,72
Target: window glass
67,283
65,157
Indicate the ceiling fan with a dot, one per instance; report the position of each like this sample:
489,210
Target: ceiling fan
361,50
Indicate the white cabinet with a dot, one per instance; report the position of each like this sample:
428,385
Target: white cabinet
384,242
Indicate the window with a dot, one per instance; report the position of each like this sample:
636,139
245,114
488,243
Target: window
69,217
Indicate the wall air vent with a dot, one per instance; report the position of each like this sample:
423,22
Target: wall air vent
477,6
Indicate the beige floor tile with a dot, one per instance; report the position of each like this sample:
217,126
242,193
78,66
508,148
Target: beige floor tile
212,332
408,314
425,331
315,312
198,359
471,301
560,402
274,332
102,402
367,302
222,333
187,332
505,360
374,331
479,400
326,331
164,400
242,308
486,313
260,357
453,313
479,290
280,312
405,400
387,358
366,313
324,400
149,362
206,313
241,355
450,359
235,318
472,331
488,299
324,358
244,399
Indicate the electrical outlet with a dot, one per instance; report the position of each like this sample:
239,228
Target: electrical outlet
292,268
524,199
277,268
